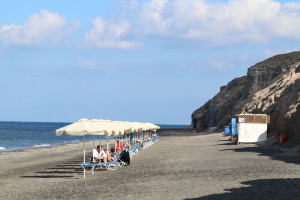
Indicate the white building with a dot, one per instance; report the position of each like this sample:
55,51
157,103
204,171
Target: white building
252,127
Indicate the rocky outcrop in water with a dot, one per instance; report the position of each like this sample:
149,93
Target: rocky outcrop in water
270,87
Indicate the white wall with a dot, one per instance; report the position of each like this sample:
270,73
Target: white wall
252,132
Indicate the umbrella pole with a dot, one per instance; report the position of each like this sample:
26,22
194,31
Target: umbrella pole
136,135
93,141
116,145
84,148
107,145
124,137
84,155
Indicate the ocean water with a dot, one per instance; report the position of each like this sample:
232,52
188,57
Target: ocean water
171,126
23,135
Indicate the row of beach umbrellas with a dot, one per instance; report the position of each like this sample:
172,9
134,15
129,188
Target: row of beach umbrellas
104,127
85,127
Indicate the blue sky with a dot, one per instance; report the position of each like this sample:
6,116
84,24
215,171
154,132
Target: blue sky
149,60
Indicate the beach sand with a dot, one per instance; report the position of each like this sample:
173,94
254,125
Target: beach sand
176,167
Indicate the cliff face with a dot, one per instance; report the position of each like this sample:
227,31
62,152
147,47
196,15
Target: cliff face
264,72
217,111
280,99
270,87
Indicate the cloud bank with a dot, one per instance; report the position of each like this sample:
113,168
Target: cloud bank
40,29
108,34
214,23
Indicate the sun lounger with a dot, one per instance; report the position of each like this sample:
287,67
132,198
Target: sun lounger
134,149
91,166
111,165
150,142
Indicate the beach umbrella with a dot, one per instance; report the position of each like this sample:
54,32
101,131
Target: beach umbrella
93,127
80,128
150,126
117,128
84,127
102,127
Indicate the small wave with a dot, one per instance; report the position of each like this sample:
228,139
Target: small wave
2,148
41,145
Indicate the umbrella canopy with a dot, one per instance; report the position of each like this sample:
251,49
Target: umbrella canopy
113,127
102,127
151,126
80,128
122,127
136,126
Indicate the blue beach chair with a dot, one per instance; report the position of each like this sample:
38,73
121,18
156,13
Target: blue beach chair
111,165
134,149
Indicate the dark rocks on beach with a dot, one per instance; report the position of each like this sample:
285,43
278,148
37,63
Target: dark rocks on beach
270,87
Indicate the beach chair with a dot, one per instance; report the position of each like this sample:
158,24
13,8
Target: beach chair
134,149
91,166
110,165
117,162
125,158
150,142
146,144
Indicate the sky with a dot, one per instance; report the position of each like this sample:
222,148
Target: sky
132,60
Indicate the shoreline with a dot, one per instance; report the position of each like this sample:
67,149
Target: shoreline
37,147
162,131
42,146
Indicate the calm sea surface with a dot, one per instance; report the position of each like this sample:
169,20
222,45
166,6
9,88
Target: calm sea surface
22,135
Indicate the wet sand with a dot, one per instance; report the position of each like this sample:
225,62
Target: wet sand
176,167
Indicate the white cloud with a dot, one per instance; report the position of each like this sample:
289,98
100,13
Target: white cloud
152,17
40,28
202,21
218,23
128,4
108,34
292,6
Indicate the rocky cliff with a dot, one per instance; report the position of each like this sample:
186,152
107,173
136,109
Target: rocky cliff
270,87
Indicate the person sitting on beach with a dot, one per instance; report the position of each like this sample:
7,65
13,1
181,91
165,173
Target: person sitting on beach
118,146
125,157
119,150
108,157
128,145
147,139
99,154
139,144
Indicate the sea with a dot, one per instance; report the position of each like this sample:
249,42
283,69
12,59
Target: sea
24,135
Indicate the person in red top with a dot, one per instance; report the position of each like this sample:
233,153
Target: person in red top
118,146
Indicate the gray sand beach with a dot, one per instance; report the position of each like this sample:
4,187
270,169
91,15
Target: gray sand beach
176,167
